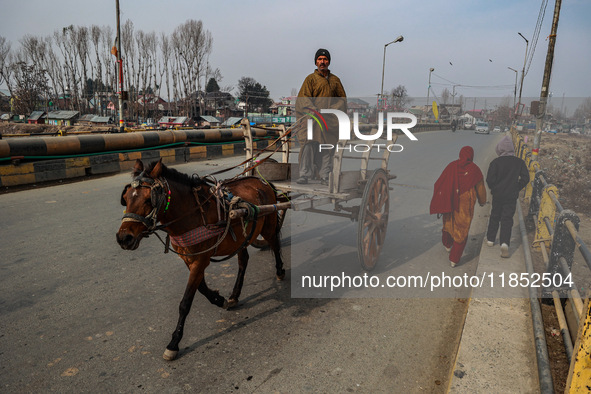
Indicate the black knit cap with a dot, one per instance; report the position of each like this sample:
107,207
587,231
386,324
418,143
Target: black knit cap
322,52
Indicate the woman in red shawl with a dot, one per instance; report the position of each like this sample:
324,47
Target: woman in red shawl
455,194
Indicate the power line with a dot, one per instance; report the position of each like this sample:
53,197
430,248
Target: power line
500,87
536,35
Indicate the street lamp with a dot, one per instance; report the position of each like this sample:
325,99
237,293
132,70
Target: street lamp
514,90
523,71
429,87
398,39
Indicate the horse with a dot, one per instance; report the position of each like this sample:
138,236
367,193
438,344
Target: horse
188,211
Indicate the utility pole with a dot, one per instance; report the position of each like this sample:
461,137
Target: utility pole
514,91
546,82
120,64
523,71
429,87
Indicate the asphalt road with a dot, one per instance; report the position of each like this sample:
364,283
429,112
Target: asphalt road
79,314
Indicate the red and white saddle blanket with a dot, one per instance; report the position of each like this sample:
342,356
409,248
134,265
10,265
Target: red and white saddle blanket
195,236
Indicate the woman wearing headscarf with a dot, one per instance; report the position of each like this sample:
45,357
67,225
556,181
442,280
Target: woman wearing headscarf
456,191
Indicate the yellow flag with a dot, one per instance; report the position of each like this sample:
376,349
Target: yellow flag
435,111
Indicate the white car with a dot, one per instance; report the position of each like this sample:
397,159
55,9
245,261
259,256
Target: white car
482,128
497,129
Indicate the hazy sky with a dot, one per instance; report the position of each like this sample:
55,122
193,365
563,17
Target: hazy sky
274,41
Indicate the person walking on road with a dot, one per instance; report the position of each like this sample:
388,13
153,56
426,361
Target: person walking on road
321,83
506,176
455,193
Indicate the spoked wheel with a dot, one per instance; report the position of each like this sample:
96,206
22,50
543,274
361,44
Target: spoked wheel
373,219
260,242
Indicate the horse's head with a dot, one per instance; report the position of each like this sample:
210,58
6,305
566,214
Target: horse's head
143,200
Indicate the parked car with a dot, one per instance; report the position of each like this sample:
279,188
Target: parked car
497,129
468,126
482,128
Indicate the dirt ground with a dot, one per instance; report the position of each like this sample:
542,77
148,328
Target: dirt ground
566,161
23,128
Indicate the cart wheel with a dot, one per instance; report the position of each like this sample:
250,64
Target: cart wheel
260,242
373,219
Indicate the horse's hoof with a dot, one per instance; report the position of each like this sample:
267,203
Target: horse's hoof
170,355
230,303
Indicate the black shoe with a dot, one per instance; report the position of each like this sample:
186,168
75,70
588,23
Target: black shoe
302,180
324,181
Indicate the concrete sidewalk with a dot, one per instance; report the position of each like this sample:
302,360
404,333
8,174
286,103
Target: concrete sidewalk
497,347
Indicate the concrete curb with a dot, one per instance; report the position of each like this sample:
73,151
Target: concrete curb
497,347
17,173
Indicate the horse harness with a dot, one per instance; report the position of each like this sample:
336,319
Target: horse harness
225,201
159,192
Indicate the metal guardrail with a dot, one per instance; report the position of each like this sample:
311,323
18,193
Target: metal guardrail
557,238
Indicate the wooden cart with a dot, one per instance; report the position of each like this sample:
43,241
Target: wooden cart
369,185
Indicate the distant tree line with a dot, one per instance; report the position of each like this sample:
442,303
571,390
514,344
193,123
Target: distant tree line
75,68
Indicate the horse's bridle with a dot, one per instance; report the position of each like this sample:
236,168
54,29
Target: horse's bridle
158,194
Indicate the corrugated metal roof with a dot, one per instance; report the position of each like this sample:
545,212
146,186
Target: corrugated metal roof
210,119
62,114
165,119
357,101
180,120
36,115
86,118
101,119
231,121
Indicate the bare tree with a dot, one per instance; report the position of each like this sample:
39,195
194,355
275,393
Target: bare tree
36,50
81,37
55,71
445,95
191,45
109,62
65,39
97,69
583,111
400,98
129,50
165,51
79,67
29,87
147,48
5,69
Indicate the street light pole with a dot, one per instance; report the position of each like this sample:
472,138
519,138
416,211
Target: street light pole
429,87
514,90
398,39
523,71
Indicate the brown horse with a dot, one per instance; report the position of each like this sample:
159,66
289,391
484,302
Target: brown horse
184,205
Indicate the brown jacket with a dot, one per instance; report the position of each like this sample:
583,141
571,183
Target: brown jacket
318,92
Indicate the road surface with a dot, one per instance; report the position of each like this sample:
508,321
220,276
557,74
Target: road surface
79,314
